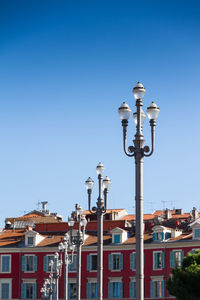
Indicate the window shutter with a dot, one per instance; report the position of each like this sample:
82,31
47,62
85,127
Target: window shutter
45,263
121,290
110,264
34,291
182,256
155,256
154,236
5,290
35,262
152,289
5,263
121,261
162,289
88,289
172,259
131,287
89,262
131,261
110,290
163,259
23,290
23,263
162,235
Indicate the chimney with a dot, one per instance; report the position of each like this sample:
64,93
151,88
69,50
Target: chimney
44,206
195,213
168,214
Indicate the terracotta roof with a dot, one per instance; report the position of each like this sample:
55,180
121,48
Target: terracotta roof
11,237
146,217
183,216
108,211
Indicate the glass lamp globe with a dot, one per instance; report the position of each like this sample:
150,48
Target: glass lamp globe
106,183
139,91
153,111
143,116
100,168
70,222
124,111
83,221
60,246
66,237
89,183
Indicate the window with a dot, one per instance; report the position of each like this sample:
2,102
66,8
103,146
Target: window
72,290
197,233
158,260
29,290
157,289
115,289
47,260
158,236
115,261
116,238
5,263
176,258
132,289
30,240
133,261
29,263
92,262
91,290
73,265
5,288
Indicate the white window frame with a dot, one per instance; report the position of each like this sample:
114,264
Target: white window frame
94,270
9,264
72,271
116,253
9,281
155,252
50,255
180,251
26,263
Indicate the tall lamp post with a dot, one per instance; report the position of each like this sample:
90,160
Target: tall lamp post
139,150
58,264
62,247
99,211
78,242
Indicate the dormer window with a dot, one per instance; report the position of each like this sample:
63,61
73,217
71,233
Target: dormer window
30,240
119,235
159,236
116,238
197,232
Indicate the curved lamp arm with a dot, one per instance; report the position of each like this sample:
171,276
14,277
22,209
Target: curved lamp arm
152,124
124,125
94,209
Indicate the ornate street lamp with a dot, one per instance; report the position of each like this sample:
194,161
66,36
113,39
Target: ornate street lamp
49,284
99,211
78,241
139,150
62,247
58,267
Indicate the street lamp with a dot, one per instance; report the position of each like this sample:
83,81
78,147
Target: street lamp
99,211
78,241
139,151
58,266
49,283
62,247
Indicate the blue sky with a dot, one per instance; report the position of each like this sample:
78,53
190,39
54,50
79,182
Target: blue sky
65,68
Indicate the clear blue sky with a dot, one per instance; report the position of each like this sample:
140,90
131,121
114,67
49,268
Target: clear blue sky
65,68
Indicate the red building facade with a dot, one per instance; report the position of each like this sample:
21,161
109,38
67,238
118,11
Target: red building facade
24,256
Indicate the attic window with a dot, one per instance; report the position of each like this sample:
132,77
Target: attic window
30,240
158,236
116,238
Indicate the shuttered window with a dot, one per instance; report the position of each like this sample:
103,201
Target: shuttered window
29,263
158,260
29,290
157,289
115,290
5,263
176,258
91,290
115,261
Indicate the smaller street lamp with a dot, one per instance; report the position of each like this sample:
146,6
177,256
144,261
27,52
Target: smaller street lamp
99,211
49,283
67,261
58,265
78,242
